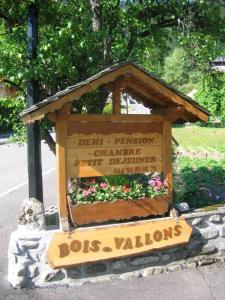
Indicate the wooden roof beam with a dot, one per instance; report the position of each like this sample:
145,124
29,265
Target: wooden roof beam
169,94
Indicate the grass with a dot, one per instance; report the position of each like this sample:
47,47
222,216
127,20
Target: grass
200,138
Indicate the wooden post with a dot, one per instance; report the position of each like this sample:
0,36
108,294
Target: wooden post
33,130
167,155
61,131
116,100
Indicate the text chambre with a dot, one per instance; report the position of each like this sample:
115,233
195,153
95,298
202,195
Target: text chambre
119,242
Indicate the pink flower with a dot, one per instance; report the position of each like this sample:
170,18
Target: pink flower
86,193
151,182
103,185
92,189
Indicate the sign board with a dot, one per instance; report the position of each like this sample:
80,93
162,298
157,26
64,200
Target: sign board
113,148
100,243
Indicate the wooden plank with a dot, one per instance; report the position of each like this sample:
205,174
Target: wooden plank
75,95
167,155
145,91
163,90
115,118
114,149
51,117
116,98
100,212
110,77
113,127
61,128
101,243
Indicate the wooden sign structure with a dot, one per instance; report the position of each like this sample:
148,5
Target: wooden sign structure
103,148
97,145
89,245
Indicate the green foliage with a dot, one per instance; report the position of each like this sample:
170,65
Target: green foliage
72,47
176,68
109,189
212,94
9,116
179,71
108,109
199,182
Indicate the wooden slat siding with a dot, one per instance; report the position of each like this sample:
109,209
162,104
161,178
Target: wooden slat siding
167,155
61,128
115,118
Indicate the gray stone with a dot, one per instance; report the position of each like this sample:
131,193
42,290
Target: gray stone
191,265
22,271
32,216
165,257
18,281
12,259
148,272
53,275
51,216
222,246
183,253
195,232
144,260
33,271
33,256
215,219
27,261
118,265
130,275
197,221
13,247
205,261
73,273
28,244
182,207
173,268
209,234
207,249
96,269
158,270
222,231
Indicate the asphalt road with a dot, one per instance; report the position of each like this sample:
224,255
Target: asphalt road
206,283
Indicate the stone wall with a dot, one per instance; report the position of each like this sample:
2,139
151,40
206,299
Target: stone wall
28,262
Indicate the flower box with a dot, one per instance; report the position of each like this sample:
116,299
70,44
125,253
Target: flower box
99,212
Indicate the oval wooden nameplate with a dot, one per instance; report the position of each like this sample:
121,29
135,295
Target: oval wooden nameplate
101,243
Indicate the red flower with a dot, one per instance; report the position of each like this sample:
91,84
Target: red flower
92,180
125,189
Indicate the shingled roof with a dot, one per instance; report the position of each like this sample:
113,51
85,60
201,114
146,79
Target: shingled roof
156,88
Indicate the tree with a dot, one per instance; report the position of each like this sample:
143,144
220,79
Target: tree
212,93
78,38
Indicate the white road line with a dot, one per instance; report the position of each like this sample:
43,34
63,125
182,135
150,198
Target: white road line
16,187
